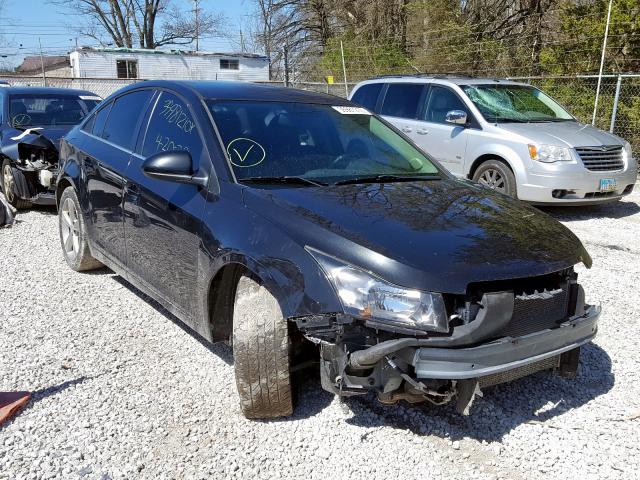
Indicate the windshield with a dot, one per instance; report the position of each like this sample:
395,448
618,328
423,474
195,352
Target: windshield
515,103
49,110
315,142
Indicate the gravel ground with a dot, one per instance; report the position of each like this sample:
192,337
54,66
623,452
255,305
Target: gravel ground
123,391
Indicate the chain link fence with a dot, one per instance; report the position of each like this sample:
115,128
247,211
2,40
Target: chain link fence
618,103
100,86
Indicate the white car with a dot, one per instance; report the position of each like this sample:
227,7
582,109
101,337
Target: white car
507,135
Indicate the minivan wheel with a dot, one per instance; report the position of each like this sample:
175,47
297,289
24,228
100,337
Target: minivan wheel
73,236
261,350
496,175
10,178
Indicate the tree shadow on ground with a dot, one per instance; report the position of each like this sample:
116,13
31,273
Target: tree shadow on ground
537,398
47,392
619,209
305,379
221,350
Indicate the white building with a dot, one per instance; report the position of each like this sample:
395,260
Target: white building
128,63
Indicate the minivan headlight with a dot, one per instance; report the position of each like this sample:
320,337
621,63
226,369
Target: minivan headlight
549,153
626,151
364,295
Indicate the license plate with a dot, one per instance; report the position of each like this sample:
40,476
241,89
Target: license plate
608,184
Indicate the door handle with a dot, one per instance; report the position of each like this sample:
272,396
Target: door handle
422,131
406,129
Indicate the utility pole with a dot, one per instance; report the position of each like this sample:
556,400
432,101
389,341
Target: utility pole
286,64
241,42
604,49
44,77
197,14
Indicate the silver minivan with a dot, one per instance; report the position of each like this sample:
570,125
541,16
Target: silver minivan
507,135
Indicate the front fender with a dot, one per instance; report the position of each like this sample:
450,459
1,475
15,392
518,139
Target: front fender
234,234
505,152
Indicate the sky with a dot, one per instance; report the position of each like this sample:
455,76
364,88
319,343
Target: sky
24,22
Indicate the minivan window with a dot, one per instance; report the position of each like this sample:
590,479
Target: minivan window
515,103
367,95
441,101
402,100
120,128
172,127
319,142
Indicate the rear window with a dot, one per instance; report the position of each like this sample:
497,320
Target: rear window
402,100
367,95
49,110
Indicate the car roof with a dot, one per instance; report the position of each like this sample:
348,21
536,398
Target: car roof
456,80
237,90
45,90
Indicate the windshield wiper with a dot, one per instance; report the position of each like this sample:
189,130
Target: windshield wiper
287,179
386,178
506,119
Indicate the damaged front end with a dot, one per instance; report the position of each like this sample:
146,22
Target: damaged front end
34,158
496,332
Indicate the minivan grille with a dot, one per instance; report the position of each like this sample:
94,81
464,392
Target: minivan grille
538,311
601,159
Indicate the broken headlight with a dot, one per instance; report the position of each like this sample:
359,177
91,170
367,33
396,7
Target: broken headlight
364,295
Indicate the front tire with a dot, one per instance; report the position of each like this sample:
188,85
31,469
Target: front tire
497,175
73,233
14,181
261,351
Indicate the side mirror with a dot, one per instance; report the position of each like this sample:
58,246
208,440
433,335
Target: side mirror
456,117
173,166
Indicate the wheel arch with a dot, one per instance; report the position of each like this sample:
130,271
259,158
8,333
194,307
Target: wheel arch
485,157
221,292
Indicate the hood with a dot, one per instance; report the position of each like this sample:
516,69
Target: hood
436,235
569,134
45,138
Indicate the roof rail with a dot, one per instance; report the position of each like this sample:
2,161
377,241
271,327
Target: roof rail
426,75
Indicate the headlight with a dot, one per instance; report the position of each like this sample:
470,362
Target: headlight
549,153
364,295
626,151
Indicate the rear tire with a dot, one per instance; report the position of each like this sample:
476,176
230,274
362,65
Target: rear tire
14,181
73,233
261,350
496,175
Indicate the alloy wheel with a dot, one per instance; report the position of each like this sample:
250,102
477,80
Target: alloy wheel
7,181
493,179
70,228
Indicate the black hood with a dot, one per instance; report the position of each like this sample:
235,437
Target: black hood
42,137
438,235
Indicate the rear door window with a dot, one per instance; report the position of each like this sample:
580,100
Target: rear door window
95,126
441,101
402,100
121,126
172,127
367,95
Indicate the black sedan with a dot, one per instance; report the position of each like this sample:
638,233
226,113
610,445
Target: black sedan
32,121
276,219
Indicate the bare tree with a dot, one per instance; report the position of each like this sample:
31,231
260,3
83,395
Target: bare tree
142,23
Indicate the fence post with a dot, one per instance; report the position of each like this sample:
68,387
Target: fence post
614,112
344,71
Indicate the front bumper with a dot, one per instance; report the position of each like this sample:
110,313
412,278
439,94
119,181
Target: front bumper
574,183
507,353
